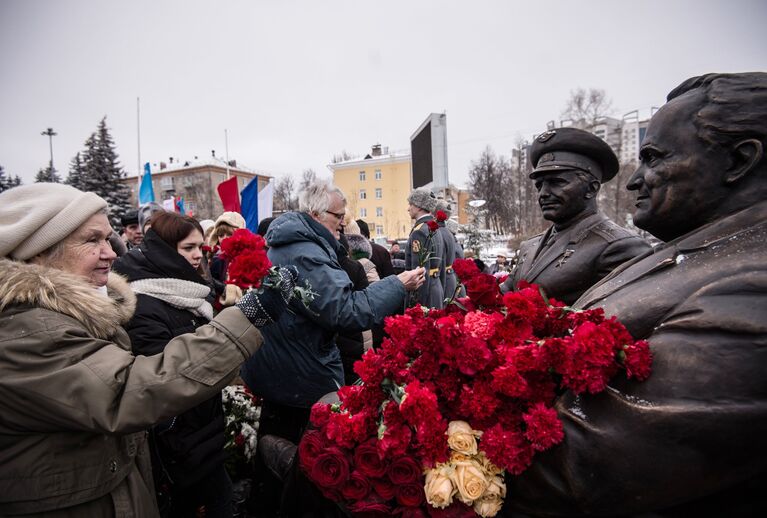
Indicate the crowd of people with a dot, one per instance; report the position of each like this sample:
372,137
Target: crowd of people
114,349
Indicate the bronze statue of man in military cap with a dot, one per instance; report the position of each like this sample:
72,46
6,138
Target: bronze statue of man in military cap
425,247
583,245
690,440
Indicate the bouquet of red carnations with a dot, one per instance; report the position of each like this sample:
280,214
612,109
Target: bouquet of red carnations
456,398
250,268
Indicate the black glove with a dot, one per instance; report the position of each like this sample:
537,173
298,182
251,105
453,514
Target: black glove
267,307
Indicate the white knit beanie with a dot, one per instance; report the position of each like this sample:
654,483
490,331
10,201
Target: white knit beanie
35,217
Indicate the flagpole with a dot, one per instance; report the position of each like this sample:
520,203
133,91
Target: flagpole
226,144
138,146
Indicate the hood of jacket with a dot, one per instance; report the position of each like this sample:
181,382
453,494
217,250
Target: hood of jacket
156,259
32,285
295,227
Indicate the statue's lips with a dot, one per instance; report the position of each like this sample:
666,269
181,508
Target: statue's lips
641,199
550,205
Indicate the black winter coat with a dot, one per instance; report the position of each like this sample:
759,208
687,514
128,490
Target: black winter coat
190,445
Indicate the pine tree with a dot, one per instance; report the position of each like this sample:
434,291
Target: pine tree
76,173
6,182
48,175
101,172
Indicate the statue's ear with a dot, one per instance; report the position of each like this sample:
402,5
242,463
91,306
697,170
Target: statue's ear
746,155
593,188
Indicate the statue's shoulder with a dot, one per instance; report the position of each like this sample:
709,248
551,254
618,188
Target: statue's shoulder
611,231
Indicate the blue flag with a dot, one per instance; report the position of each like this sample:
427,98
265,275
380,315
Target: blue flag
249,205
146,192
180,205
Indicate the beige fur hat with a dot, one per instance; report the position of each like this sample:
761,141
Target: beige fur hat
35,217
233,219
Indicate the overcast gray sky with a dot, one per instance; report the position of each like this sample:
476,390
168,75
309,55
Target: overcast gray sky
295,82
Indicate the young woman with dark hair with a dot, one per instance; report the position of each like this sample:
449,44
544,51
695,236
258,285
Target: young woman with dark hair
166,273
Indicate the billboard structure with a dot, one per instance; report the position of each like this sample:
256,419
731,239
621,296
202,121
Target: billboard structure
428,150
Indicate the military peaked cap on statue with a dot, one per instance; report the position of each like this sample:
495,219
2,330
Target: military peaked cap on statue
564,149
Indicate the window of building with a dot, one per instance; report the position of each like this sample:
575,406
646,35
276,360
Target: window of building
378,174
362,176
379,212
379,230
363,212
166,182
363,194
379,193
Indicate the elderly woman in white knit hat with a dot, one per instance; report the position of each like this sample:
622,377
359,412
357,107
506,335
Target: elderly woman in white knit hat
74,400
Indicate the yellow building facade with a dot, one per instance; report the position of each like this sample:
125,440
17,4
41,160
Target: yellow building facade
376,189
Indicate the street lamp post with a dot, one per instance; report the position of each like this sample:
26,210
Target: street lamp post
50,133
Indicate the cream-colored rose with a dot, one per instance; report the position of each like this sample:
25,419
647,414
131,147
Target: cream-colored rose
461,438
487,507
487,465
439,486
470,481
492,501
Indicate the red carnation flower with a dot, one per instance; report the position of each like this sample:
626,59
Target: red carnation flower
441,215
433,225
465,269
483,290
638,360
544,429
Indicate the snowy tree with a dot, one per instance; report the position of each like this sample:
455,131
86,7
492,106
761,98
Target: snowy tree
76,177
47,175
585,107
490,178
284,194
6,182
101,172
308,177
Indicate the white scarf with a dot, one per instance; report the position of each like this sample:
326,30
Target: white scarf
178,293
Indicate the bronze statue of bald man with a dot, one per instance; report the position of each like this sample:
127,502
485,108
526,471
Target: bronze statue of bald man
583,245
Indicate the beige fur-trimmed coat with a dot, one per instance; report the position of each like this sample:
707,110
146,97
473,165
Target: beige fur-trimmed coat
74,401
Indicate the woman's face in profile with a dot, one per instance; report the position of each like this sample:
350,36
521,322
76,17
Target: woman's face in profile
190,248
87,252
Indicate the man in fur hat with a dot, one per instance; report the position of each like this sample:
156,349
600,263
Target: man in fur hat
425,247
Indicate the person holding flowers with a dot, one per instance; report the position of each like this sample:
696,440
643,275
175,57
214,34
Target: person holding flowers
74,400
172,298
300,361
425,248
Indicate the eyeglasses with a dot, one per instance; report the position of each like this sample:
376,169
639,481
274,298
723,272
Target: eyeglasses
338,216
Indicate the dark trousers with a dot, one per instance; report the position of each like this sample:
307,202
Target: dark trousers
214,492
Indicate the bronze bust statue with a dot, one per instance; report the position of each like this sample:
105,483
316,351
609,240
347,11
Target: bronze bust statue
583,245
690,441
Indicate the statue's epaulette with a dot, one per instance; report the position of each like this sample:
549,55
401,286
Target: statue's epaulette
610,231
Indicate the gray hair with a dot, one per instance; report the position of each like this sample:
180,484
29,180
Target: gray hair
315,198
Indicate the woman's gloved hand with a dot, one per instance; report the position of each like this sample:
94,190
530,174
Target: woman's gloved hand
232,294
267,306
